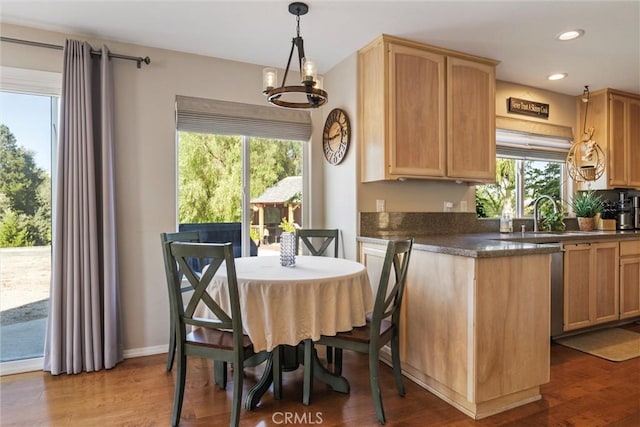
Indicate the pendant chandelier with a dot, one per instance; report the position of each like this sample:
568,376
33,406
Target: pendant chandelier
309,94
585,160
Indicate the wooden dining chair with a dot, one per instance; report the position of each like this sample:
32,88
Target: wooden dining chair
220,339
383,325
185,236
310,237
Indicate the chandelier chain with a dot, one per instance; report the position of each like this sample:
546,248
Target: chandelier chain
586,108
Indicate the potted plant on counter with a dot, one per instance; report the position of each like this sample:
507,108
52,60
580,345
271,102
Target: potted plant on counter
586,204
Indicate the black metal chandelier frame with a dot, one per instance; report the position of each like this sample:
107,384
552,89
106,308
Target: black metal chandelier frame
316,97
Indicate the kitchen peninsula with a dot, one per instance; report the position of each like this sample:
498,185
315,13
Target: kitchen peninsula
476,313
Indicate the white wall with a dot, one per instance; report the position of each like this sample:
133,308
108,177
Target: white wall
562,108
341,180
145,156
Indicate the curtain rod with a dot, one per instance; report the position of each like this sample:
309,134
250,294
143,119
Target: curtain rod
139,60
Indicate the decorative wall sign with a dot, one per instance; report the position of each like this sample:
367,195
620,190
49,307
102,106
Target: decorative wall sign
529,108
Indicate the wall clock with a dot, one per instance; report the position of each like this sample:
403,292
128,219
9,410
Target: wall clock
336,136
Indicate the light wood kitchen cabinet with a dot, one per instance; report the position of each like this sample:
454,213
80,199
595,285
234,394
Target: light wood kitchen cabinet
615,117
590,284
425,112
629,279
471,127
474,331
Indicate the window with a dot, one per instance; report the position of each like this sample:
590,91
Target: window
527,167
211,183
29,115
521,182
240,170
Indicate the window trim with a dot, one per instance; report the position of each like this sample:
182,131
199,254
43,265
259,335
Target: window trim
36,82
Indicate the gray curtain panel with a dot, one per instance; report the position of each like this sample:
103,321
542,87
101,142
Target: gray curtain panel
83,327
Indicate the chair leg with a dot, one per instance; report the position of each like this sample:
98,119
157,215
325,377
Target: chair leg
307,387
277,372
395,359
179,389
374,380
329,354
172,342
337,366
238,374
220,374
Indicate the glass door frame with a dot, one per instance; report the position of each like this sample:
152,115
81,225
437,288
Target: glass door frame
40,83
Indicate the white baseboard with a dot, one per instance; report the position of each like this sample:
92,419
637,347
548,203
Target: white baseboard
36,364
20,366
145,351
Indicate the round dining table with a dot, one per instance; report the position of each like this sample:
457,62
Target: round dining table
290,307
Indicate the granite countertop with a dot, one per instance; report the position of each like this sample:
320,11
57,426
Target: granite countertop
487,245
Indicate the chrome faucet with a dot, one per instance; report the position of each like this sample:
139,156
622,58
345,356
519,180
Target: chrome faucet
536,210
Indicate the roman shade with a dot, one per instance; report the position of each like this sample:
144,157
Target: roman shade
531,147
523,139
234,118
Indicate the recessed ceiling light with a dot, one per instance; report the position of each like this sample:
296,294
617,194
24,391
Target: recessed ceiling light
557,76
570,35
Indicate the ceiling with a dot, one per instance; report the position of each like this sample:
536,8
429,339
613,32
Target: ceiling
519,33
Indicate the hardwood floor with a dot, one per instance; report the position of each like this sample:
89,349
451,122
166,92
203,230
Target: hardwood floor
584,391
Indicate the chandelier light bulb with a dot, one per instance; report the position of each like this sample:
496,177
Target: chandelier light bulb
269,79
310,71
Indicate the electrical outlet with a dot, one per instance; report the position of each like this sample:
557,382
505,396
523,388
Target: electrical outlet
448,206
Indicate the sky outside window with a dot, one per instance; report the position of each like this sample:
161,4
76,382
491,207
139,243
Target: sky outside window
29,120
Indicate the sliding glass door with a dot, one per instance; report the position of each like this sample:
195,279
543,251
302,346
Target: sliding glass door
27,135
239,189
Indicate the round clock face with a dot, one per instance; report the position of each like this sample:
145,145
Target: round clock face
336,136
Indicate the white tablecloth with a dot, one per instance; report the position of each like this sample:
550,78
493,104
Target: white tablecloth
285,305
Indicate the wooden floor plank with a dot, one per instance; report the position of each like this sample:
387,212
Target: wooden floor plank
584,391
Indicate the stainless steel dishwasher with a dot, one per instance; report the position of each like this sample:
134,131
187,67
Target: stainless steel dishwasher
557,292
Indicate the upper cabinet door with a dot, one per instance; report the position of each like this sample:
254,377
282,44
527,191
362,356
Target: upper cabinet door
633,151
624,137
416,112
471,143
617,169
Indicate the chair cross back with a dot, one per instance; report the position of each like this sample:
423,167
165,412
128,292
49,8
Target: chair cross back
330,237
182,236
218,253
388,301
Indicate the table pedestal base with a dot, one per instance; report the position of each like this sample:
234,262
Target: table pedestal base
289,358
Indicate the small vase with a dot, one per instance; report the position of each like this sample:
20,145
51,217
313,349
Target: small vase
585,224
287,249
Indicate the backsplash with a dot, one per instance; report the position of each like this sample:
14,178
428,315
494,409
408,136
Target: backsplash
426,223
417,223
